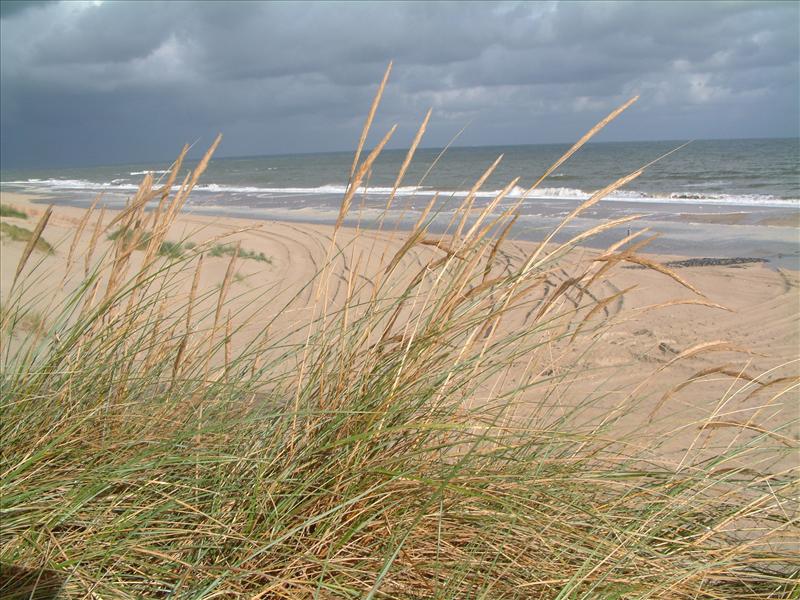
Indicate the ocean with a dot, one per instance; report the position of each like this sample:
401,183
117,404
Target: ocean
745,183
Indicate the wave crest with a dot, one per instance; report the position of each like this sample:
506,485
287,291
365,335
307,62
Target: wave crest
516,192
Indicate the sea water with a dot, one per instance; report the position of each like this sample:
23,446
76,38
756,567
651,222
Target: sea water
755,180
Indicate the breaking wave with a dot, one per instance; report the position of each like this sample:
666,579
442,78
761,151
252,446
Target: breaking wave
338,189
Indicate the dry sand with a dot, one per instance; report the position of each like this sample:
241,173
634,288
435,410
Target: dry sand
763,319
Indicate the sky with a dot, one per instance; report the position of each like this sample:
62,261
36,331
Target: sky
84,83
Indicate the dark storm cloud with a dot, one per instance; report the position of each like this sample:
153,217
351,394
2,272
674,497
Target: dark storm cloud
87,82
12,7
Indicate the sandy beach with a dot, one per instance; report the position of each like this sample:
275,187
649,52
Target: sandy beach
633,355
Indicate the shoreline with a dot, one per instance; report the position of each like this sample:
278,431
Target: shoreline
702,231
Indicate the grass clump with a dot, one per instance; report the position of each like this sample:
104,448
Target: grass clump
220,250
177,249
166,248
20,234
171,249
370,452
127,236
10,211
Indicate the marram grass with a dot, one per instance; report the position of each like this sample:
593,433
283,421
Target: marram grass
15,233
7,210
144,457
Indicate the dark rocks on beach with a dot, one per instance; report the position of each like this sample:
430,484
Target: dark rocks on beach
708,262
668,347
714,262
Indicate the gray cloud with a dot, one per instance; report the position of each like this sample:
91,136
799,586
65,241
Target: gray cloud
122,81
12,7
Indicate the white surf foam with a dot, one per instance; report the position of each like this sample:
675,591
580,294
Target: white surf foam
694,198
72,184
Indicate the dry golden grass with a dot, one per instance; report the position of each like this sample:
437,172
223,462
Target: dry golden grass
146,455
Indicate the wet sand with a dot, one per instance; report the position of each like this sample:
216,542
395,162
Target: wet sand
686,228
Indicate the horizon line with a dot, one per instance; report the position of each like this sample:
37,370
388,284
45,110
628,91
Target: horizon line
399,148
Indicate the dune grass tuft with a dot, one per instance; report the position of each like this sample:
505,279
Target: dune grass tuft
20,234
372,450
177,249
229,250
165,248
171,249
9,211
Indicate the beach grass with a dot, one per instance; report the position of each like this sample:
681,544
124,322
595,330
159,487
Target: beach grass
379,457
15,233
9,211
230,249
177,249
